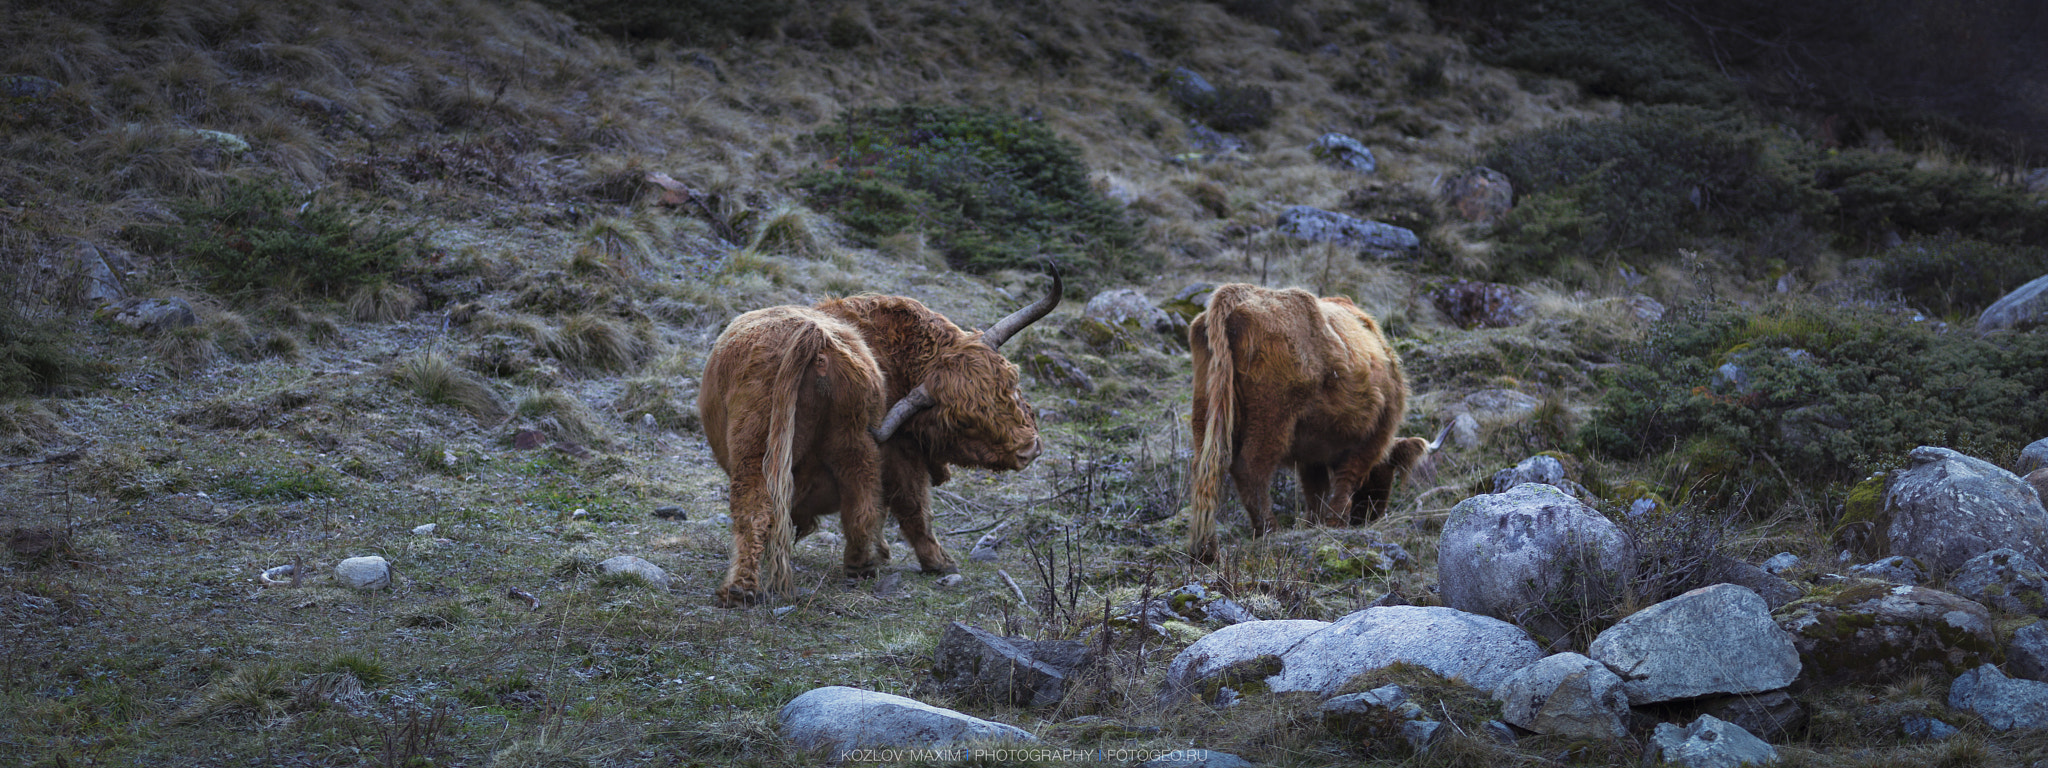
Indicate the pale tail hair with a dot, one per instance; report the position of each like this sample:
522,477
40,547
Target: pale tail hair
777,575
1213,462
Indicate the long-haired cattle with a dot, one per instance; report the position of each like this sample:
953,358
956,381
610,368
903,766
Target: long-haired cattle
1284,377
793,406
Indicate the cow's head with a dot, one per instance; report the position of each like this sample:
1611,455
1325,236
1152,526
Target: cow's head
969,410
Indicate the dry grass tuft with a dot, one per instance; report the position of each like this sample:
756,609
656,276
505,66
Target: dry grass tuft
793,230
560,415
437,380
383,302
597,342
185,351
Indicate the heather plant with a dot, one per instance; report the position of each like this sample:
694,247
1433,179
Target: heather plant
1955,277
1613,47
257,235
991,191
1824,393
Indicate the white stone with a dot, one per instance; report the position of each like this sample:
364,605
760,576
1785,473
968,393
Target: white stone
838,718
369,572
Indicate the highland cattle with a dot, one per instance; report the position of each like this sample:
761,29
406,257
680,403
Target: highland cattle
793,405
1282,377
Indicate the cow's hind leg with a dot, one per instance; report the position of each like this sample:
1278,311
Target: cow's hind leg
1252,470
751,524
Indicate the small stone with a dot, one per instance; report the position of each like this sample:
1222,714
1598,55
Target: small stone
1920,728
653,574
951,580
1500,732
1779,563
370,572
423,530
671,513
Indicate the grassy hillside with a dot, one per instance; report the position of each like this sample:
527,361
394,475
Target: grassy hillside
458,263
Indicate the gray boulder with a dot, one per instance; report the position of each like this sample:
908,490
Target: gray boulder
1712,640
1371,237
983,667
2033,457
153,316
1376,714
2003,702
1920,728
2005,580
1566,695
1507,555
1710,742
1897,569
1500,406
368,572
1189,88
628,564
1775,591
1535,469
837,718
1235,644
1770,715
1875,632
1780,563
1947,508
2023,309
2027,655
1344,152
1479,650
2039,479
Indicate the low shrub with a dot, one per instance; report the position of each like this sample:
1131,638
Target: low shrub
691,22
37,358
1956,277
1613,47
259,235
1822,393
990,190
1641,182
1879,192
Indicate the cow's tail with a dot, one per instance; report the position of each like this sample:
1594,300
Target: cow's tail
1212,463
777,575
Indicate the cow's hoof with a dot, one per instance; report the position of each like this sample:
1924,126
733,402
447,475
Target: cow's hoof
737,597
942,569
857,573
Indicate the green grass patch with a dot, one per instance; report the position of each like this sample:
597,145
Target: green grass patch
257,235
281,485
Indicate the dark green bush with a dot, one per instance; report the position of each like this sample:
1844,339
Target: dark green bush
1643,181
1877,192
1614,47
266,236
1957,277
691,22
991,191
1235,108
1868,387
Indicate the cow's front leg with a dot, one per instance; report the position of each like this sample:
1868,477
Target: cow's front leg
858,471
1257,457
906,490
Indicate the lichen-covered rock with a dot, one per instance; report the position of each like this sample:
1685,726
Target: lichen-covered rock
1372,238
1566,695
2027,655
1479,650
2004,703
842,718
1128,308
2003,579
2032,457
1344,152
1535,469
1712,640
1948,508
1513,555
1775,591
1897,569
1770,715
1710,742
1878,632
1211,655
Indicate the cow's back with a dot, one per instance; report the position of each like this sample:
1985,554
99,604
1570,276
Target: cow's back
843,391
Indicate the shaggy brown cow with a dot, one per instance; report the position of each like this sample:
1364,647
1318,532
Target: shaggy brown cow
792,404
1281,376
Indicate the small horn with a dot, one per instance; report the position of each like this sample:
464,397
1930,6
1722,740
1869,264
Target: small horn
1433,445
1009,326
917,400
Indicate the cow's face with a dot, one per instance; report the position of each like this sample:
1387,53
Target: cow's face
980,419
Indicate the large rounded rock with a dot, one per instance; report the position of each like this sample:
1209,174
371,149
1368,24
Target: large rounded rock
1508,555
1948,508
1712,640
1481,195
1566,695
1875,632
2025,308
2033,457
1235,644
1473,304
1711,742
1128,308
2003,702
1479,650
841,718
1344,152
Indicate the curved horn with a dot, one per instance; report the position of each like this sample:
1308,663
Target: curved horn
917,400
1009,326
